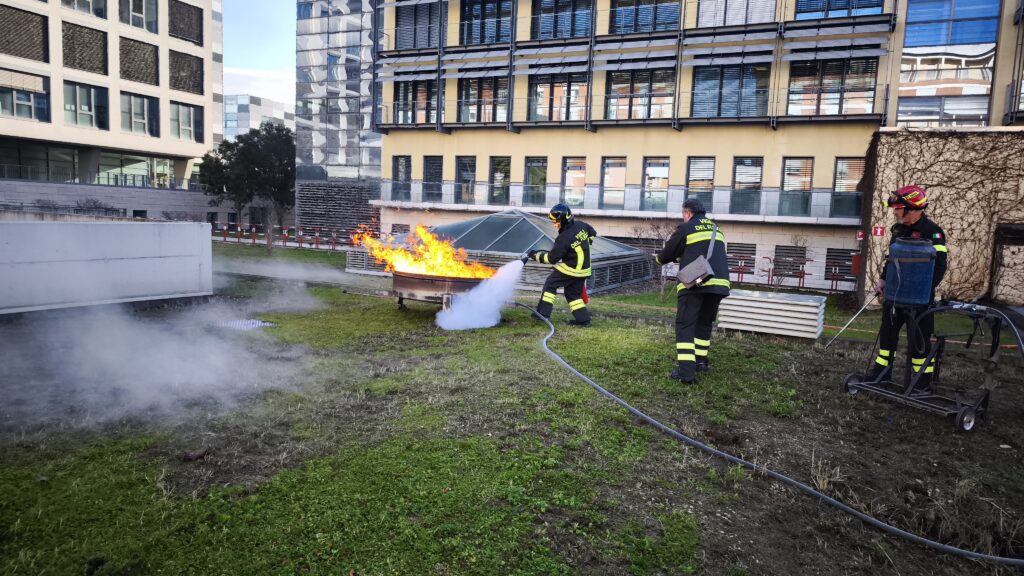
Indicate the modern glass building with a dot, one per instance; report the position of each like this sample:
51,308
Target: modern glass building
109,102
243,112
763,109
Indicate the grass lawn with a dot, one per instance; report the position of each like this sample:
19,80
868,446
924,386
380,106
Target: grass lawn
334,259
405,449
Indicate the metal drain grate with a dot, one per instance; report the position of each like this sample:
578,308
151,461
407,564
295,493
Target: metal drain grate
246,324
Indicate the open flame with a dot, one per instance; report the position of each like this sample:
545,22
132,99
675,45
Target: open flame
428,255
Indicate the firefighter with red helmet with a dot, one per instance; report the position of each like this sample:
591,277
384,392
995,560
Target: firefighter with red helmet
908,205
571,259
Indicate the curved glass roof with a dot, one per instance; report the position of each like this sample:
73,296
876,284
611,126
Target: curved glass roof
516,232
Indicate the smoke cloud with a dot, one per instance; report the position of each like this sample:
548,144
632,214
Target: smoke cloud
481,306
80,367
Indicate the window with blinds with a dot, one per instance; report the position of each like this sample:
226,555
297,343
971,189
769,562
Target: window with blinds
730,91
416,26
796,174
433,176
485,21
501,168
829,87
849,172
557,97
415,102
815,9
734,12
613,183
401,177
640,94
574,173
465,178
654,193
746,186
700,179
560,19
535,187
629,16
483,99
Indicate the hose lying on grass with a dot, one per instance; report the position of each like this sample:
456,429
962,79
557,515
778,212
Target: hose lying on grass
770,473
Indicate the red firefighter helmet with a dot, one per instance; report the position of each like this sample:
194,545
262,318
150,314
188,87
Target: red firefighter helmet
909,197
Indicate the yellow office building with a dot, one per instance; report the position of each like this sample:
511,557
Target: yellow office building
623,108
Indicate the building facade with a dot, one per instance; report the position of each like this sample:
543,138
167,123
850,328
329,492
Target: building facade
763,109
243,112
109,104
338,155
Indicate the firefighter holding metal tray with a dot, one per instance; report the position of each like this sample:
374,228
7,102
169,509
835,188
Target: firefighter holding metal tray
699,247
571,259
907,286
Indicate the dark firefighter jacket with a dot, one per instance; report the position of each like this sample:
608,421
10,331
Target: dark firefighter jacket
924,229
571,252
689,241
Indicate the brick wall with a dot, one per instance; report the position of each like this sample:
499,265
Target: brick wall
341,205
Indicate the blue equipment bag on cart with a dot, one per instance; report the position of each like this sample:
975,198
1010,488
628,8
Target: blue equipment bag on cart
909,272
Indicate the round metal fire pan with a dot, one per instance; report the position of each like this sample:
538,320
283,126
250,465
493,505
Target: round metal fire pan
427,288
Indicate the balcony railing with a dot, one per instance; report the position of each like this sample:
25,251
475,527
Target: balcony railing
534,195
612,198
642,106
795,203
846,204
573,196
655,200
706,197
695,106
68,176
831,102
744,201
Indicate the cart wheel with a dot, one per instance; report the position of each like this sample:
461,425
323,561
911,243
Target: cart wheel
851,379
966,419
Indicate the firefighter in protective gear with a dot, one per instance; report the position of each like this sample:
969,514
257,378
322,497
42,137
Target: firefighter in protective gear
696,307
571,259
908,205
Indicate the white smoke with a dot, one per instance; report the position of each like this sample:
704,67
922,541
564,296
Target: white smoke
481,306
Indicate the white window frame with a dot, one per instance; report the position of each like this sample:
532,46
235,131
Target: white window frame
178,129
15,104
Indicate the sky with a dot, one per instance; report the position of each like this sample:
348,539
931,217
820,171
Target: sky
259,48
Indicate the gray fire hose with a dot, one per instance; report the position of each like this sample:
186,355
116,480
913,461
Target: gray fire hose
888,528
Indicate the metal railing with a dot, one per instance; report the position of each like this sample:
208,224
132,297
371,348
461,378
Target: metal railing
727,103
831,102
706,197
482,110
642,106
82,209
65,175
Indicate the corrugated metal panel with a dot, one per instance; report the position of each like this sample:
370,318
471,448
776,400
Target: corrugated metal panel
836,42
549,70
634,55
491,64
556,60
772,313
721,60
636,65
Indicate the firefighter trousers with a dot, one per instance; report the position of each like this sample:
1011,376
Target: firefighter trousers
573,288
919,336
695,313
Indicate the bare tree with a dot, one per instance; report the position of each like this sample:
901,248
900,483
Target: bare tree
652,234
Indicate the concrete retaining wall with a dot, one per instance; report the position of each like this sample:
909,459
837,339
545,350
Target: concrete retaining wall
46,265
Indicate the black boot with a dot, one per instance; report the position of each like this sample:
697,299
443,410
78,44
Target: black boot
677,374
877,373
923,386
703,365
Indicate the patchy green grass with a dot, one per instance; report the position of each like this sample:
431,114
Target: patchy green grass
335,259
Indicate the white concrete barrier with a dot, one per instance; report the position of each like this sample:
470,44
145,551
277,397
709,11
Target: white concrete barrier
773,313
46,265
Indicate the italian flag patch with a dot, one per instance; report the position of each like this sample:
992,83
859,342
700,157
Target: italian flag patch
937,236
